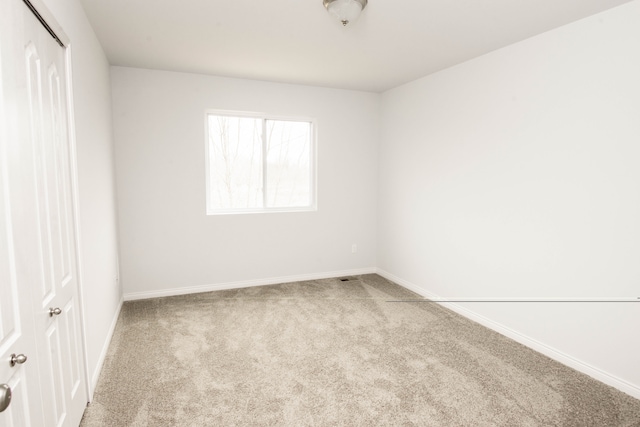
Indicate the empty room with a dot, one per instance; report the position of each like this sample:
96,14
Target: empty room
319,213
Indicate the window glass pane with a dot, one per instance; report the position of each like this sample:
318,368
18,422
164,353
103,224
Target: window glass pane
288,163
235,162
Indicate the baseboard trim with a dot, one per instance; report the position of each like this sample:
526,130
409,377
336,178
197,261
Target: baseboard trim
534,344
105,348
132,296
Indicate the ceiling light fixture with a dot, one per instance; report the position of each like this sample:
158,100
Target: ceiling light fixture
345,10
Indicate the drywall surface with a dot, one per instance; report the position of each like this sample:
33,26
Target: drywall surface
168,243
96,180
516,175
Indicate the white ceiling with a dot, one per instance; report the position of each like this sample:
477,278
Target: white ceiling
297,41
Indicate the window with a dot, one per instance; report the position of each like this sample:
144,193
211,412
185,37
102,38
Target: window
259,164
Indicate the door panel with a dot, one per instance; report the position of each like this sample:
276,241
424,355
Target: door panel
62,186
57,410
10,328
68,323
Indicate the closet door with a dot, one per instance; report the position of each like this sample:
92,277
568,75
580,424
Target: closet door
38,184
20,397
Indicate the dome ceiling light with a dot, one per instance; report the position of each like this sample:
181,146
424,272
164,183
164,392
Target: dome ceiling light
345,11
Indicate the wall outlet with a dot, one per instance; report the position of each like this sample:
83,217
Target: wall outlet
354,248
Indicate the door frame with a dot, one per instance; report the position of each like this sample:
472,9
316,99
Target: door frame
42,12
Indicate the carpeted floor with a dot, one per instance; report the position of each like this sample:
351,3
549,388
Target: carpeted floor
332,353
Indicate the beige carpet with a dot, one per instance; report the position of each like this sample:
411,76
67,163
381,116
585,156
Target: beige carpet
332,353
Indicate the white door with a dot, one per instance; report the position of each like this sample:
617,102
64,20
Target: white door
17,319
39,200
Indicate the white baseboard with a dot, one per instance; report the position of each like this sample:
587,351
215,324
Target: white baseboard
536,345
105,349
244,284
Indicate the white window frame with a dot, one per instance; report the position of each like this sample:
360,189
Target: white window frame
264,117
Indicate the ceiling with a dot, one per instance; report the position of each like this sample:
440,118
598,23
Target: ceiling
297,41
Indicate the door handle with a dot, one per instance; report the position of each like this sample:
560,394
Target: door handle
54,311
17,359
5,396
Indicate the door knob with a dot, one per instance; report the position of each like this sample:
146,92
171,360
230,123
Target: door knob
5,396
54,311
17,359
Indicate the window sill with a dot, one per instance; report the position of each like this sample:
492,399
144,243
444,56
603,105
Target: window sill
261,211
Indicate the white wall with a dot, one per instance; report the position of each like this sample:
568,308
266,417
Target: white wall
516,174
97,205
169,245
